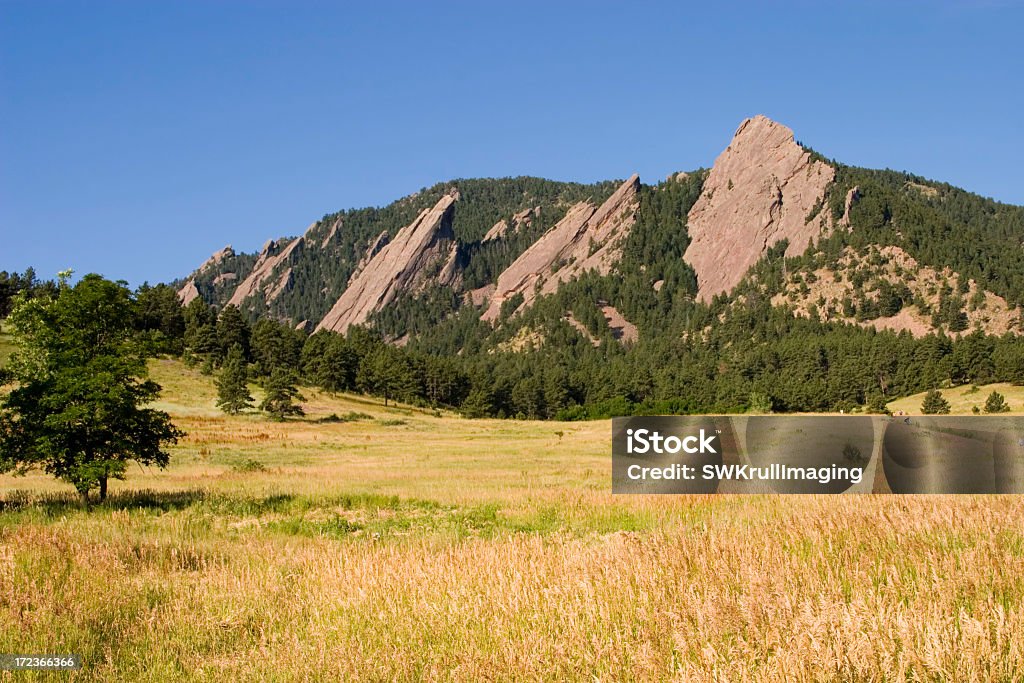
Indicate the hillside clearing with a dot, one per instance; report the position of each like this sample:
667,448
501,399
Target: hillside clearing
963,398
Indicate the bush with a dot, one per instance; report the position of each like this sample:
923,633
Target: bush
249,465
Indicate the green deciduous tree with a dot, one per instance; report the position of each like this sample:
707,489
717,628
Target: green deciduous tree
78,408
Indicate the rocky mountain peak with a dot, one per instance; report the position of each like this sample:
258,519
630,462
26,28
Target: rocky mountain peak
762,189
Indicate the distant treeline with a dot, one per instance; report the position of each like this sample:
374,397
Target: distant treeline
733,359
13,284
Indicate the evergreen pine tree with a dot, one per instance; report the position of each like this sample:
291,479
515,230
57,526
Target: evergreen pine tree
877,404
232,384
233,329
279,401
995,403
934,404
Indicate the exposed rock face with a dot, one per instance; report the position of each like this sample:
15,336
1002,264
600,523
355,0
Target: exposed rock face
622,330
189,292
374,249
405,264
330,233
269,259
217,258
284,283
762,189
851,196
502,227
225,277
582,329
585,239
497,231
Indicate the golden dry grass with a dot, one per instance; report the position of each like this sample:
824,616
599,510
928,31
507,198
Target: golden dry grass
963,398
450,549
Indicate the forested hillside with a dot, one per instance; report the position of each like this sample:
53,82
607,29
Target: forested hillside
904,285
334,246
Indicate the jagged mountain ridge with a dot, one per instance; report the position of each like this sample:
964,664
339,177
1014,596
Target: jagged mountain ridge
517,247
339,244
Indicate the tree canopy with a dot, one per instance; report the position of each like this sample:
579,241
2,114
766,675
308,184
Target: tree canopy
78,409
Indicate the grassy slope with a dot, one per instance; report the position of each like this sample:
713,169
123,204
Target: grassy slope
962,399
445,548
6,345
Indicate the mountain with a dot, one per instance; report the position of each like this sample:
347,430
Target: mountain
762,189
587,239
495,246
306,279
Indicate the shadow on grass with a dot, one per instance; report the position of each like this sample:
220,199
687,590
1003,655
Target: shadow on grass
60,503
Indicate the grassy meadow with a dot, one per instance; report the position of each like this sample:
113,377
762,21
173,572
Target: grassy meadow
963,398
365,542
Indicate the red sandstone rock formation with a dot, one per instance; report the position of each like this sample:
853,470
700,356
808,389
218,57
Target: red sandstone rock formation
585,239
402,265
272,256
763,188
189,291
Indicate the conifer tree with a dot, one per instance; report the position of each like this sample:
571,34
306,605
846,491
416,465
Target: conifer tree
996,403
233,329
281,395
935,404
232,385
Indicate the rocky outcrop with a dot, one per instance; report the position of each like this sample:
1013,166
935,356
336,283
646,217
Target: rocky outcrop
331,232
283,284
622,330
851,196
824,294
224,277
404,265
273,255
519,220
188,293
585,239
497,231
375,246
217,258
762,189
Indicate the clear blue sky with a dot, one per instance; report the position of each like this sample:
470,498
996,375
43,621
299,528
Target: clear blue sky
138,137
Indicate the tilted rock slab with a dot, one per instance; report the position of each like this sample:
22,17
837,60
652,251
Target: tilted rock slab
405,264
762,189
585,239
269,259
189,290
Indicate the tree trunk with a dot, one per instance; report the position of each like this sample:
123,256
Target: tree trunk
103,488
